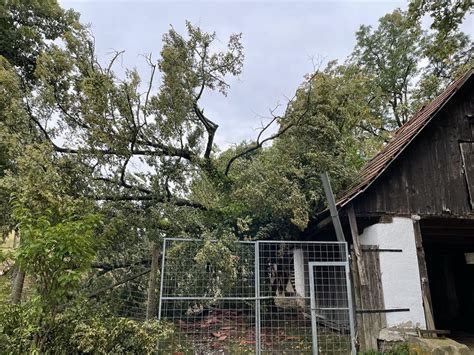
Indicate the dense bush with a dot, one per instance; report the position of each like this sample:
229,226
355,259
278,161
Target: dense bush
83,328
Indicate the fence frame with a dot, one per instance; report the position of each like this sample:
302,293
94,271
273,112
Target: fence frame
258,296
350,308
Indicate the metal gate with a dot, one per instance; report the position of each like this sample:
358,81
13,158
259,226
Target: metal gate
332,317
255,297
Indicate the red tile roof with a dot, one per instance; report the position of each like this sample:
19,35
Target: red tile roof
401,139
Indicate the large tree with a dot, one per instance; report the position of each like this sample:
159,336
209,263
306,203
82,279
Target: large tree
77,132
409,65
139,144
276,192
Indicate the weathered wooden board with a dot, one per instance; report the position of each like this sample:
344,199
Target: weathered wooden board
425,287
428,177
369,297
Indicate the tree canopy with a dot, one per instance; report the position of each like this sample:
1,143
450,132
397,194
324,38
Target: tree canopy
97,167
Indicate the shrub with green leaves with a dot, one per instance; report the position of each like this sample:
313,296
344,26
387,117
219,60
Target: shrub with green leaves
83,328
56,251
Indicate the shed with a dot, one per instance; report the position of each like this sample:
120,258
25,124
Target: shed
410,219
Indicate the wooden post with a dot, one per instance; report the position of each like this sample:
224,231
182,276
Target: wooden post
17,287
425,286
332,207
153,282
369,297
357,248
360,336
19,279
368,288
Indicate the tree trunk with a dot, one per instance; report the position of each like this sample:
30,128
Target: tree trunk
17,288
152,282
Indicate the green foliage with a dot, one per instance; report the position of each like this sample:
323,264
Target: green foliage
73,132
26,27
119,336
56,251
275,192
446,15
408,65
215,256
389,54
18,326
82,328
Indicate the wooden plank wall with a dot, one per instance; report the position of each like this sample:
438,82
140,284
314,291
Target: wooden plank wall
428,178
368,297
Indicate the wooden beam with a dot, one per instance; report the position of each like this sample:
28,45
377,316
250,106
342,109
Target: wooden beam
357,248
371,250
332,207
326,221
425,286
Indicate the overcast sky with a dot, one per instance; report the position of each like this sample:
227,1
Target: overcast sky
279,40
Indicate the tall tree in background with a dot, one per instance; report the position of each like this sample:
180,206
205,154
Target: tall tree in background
448,51
408,65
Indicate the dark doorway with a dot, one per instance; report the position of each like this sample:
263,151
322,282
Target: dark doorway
447,244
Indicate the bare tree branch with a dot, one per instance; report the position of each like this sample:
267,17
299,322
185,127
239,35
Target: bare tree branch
123,183
259,143
114,58
118,283
150,85
211,129
180,202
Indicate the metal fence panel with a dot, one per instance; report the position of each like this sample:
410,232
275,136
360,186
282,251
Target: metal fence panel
212,307
331,308
259,304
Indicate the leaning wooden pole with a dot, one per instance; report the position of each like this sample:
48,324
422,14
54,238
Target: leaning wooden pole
332,207
153,283
357,248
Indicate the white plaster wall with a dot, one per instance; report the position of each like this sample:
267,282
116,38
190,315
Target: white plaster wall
298,263
400,273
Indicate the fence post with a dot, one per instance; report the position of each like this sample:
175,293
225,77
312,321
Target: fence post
162,274
349,301
258,337
152,282
312,303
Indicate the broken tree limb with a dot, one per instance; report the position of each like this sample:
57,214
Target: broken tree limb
118,283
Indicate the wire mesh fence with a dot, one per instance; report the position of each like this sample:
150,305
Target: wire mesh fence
256,297
262,297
